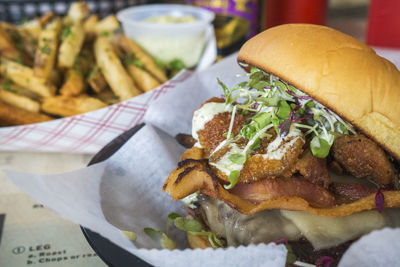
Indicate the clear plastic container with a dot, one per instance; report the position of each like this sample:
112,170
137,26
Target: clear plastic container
168,41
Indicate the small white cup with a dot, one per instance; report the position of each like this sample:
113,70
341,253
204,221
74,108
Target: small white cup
168,41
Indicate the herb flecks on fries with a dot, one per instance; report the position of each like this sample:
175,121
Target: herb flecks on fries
56,66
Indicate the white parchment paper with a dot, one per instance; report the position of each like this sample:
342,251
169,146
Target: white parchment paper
124,192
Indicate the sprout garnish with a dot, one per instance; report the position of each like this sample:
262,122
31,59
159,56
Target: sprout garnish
191,226
164,239
275,104
280,105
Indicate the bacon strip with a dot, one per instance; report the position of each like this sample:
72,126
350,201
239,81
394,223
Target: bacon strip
203,179
346,193
272,188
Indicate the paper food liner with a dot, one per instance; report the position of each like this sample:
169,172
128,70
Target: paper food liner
89,132
124,192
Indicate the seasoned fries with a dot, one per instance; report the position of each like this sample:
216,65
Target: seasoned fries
10,115
149,64
47,49
74,84
113,71
64,66
78,11
24,77
70,106
7,48
73,36
143,79
96,80
107,25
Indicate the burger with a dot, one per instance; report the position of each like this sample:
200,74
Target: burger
304,150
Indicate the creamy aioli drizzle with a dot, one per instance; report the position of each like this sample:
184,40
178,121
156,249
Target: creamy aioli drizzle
224,164
276,151
204,115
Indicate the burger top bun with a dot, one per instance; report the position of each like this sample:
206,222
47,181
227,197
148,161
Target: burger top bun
337,70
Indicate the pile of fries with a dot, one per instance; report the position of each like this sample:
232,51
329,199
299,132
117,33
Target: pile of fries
54,67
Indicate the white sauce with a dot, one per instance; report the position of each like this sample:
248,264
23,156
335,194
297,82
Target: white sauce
190,199
225,164
204,115
275,151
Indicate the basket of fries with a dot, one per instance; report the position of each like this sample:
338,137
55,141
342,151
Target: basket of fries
53,68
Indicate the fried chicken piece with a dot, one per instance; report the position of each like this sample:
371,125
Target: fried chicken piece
363,158
313,169
257,168
213,133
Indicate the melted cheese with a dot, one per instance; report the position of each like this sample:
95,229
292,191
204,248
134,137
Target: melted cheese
204,115
270,225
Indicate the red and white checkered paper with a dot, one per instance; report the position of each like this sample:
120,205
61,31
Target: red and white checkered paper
85,133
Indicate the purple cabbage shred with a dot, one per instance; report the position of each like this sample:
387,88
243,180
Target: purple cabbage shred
379,201
282,240
324,261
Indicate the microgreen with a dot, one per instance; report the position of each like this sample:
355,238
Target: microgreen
159,236
171,218
319,147
237,158
194,227
233,178
286,106
268,102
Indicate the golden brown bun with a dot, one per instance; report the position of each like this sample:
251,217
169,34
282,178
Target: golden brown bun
337,70
198,241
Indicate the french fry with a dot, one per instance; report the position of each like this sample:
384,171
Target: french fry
8,85
142,78
96,80
74,84
78,11
22,39
107,26
129,46
46,18
70,106
84,60
24,77
108,97
90,25
33,27
47,49
73,35
113,71
16,100
10,116
55,77
8,50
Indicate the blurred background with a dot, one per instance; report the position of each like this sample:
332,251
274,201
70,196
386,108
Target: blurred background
235,21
